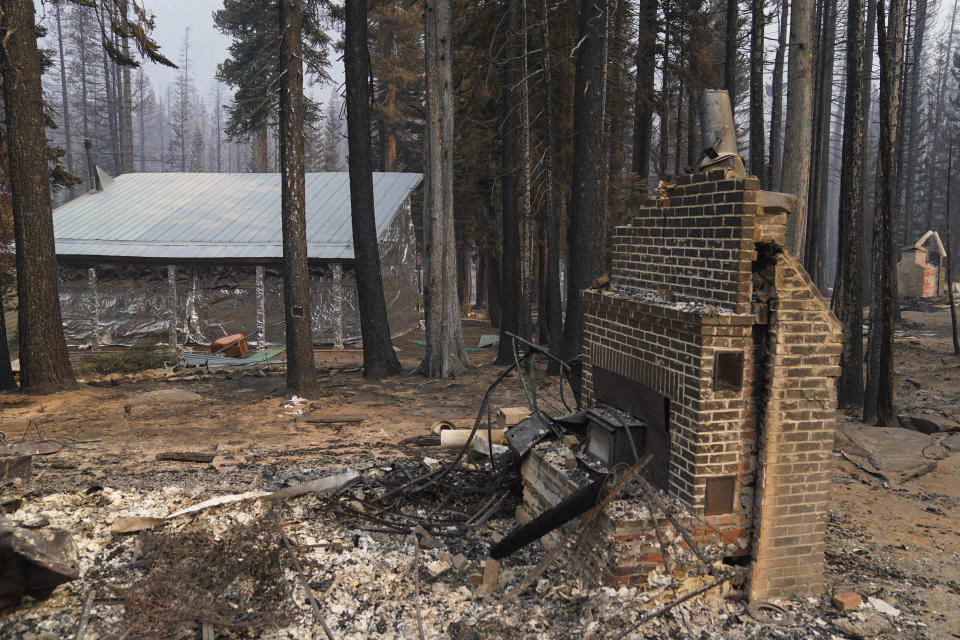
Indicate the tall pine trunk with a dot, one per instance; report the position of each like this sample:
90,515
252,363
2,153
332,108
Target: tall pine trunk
878,406
301,375
664,96
643,101
63,89
379,358
757,161
44,362
526,208
261,154
910,216
585,236
949,238
820,163
730,52
509,291
795,176
776,110
127,100
847,301
554,313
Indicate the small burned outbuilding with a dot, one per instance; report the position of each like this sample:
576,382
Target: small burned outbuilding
189,257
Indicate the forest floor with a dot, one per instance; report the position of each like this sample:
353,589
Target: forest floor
900,544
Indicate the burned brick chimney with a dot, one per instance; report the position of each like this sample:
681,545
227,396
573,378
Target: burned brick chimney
714,336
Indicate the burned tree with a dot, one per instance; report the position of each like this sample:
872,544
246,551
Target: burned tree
44,363
757,160
795,176
301,376
379,358
445,355
586,223
847,301
878,405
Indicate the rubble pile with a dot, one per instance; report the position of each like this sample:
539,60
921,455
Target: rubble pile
226,566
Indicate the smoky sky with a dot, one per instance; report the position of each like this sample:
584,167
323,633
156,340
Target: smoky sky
207,46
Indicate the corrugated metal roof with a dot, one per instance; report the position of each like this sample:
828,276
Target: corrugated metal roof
217,215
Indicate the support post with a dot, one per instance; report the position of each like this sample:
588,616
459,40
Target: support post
337,270
172,309
95,309
261,309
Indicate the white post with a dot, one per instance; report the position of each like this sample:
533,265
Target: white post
95,311
261,309
172,311
337,270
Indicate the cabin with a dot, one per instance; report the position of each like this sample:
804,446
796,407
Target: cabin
187,258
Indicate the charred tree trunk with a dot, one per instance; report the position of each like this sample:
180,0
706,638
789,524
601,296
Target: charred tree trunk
795,178
379,358
493,291
526,206
878,407
847,300
665,96
44,362
261,153
65,95
509,285
758,164
643,96
776,110
913,119
820,165
553,311
585,237
127,100
387,129
730,52
445,355
301,376
949,228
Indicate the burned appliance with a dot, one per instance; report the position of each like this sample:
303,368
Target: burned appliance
615,437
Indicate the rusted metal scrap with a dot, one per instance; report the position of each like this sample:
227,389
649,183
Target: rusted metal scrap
33,563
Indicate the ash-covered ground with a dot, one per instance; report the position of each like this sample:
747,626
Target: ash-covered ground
228,566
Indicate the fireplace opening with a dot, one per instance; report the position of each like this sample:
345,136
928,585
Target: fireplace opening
636,407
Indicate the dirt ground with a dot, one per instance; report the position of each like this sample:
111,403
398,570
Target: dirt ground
900,544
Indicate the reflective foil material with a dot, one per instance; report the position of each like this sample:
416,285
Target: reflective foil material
205,301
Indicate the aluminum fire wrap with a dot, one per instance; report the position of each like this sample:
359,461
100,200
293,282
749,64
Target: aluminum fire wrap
261,307
94,309
337,272
212,300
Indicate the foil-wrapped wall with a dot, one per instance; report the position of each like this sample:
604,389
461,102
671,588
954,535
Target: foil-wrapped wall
127,302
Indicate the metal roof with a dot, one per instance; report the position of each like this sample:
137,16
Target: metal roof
217,216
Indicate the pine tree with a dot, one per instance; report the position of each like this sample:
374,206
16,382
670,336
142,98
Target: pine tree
181,108
330,157
44,362
396,63
878,405
301,372
847,301
253,69
585,235
379,358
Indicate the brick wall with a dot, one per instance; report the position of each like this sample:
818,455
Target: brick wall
698,282
794,458
700,247
672,351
